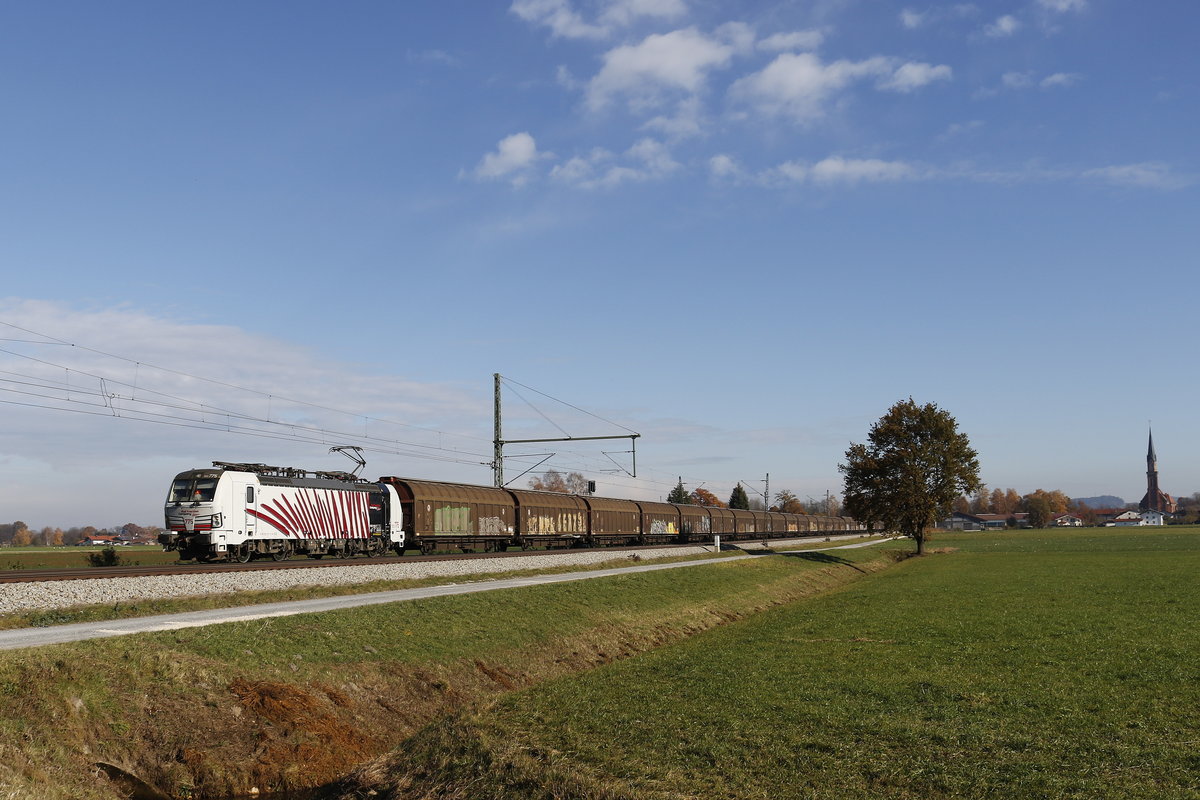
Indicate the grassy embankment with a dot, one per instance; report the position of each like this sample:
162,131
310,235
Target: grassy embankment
297,701
1030,664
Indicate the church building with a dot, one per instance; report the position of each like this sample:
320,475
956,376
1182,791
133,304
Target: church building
1155,499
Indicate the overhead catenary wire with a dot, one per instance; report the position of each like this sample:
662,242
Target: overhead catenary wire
139,400
138,364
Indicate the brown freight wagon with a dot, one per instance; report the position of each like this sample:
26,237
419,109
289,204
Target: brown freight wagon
660,522
695,523
452,515
550,518
613,521
744,521
722,522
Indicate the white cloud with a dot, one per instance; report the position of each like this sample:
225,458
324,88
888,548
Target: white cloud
1060,80
580,169
559,17
565,22
1147,175
1017,80
796,40
648,159
737,35
1027,80
513,156
660,64
687,121
912,19
797,84
862,170
1003,27
847,171
655,156
1063,6
957,129
564,78
913,75
625,12
725,166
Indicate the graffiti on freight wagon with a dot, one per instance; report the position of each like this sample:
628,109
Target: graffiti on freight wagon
493,525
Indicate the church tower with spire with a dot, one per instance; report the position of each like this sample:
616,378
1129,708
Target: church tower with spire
1155,499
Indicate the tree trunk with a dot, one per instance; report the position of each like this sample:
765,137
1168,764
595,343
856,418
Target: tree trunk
920,537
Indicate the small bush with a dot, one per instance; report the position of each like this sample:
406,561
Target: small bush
105,558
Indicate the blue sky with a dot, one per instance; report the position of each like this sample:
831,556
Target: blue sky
743,230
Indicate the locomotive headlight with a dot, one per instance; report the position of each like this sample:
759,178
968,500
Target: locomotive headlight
216,523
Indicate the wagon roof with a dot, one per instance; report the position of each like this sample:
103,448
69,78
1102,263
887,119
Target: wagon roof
694,511
657,508
558,500
611,504
421,491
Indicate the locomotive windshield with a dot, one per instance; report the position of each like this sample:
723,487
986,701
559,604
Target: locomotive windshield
192,490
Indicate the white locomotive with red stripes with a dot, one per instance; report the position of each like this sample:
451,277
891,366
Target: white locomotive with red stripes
236,512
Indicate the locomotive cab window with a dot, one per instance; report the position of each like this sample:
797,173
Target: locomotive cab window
187,490
375,510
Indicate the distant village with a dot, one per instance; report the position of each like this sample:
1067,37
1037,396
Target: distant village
18,534
1041,509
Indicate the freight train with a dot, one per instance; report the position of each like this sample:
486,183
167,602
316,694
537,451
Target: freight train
236,512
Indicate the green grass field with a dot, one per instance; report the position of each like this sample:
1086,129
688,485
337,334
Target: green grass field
1031,664
70,557
295,701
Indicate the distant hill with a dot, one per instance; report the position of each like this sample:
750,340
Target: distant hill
1103,501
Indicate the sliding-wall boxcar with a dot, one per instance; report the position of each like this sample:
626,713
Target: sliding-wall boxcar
695,523
453,515
552,519
613,521
660,522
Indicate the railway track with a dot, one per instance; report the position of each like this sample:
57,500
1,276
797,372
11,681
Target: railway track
199,568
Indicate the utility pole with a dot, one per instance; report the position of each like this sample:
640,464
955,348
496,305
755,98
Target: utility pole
499,442
498,457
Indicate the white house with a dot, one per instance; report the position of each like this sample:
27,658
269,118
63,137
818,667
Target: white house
1153,517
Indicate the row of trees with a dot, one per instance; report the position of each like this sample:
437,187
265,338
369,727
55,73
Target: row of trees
1041,505
19,534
